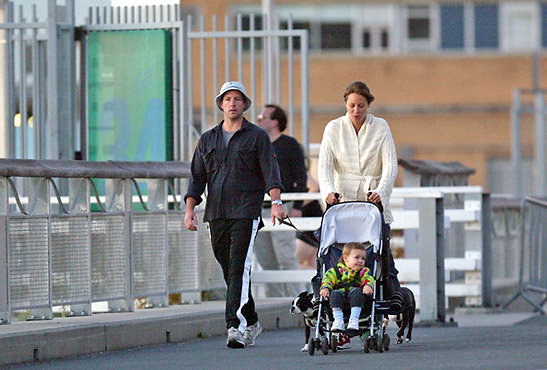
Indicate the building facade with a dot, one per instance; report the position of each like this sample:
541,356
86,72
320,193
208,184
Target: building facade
443,72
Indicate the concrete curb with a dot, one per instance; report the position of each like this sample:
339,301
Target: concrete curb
38,341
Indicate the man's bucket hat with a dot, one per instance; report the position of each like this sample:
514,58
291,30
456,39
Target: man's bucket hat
232,85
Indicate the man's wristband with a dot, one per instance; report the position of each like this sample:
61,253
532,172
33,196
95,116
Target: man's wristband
277,201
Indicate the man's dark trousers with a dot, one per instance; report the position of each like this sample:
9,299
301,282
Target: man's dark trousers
232,241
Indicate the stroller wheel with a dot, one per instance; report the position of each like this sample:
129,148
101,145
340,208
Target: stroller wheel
334,343
368,344
379,343
386,342
325,346
311,346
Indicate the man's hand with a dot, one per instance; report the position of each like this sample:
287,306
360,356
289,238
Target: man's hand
278,212
191,220
333,198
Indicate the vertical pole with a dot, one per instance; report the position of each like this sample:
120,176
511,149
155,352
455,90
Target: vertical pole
215,69
290,75
486,276
540,163
4,256
516,160
253,67
184,92
431,238
304,67
268,11
203,72
4,92
52,146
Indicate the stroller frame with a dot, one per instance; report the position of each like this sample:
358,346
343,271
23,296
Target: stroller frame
373,232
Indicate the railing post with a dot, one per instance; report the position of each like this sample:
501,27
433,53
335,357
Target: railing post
473,243
431,252
119,199
5,315
157,202
486,266
38,204
78,193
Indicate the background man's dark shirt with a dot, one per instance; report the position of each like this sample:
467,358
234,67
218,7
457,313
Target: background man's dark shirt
291,166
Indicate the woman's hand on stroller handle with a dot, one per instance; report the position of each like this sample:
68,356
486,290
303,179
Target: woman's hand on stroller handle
325,293
333,198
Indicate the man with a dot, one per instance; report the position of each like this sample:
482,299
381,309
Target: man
236,161
276,250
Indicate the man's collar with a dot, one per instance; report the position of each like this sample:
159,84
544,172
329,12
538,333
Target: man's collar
245,125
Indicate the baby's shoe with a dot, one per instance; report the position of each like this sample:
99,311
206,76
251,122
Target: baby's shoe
337,325
353,323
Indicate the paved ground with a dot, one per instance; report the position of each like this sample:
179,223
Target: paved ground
176,329
506,345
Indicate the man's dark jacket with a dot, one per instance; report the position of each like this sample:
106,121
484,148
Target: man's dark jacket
237,176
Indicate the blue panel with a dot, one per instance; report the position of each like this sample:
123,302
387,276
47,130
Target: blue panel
544,25
452,28
486,26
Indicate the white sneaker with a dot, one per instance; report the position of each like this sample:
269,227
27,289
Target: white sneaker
353,323
337,325
235,339
251,333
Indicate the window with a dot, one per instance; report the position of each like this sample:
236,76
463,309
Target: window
335,36
418,22
296,40
366,39
452,26
246,26
418,27
486,26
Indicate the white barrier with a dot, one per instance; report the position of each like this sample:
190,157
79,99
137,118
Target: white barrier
409,268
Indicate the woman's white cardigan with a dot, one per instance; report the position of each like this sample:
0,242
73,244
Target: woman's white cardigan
354,164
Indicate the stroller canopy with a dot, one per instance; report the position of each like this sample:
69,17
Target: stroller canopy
351,222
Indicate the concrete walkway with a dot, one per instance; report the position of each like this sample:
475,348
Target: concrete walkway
70,336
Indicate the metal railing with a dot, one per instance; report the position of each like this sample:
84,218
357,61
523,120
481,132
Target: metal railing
533,255
429,275
76,250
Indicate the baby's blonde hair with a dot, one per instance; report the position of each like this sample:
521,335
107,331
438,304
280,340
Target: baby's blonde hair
348,247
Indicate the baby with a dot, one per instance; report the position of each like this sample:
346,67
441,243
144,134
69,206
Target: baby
348,282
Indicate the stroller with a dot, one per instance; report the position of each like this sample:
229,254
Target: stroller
352,222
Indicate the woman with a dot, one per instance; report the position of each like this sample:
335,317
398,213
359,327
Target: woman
358,161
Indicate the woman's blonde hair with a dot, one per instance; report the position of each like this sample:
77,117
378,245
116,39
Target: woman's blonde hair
348,247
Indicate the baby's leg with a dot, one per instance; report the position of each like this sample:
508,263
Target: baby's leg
356,300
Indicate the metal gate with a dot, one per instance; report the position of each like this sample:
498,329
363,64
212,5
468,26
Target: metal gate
44,88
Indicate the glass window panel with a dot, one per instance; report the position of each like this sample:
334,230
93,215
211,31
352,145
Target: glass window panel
486,26
384,39
366,39
452,26
335,36
418,28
